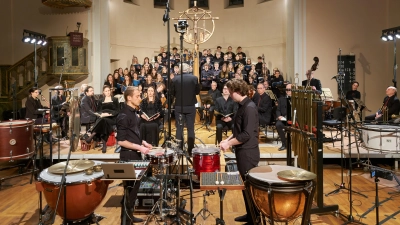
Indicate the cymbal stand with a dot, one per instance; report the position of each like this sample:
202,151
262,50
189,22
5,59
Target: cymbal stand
204,212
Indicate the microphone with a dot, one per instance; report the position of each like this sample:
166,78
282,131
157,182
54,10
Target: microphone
41,110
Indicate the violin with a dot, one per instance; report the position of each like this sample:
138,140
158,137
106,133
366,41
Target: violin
251,91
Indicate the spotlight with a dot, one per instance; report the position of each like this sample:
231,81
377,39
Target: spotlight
33,37
398,35
390,37
44,43
384,38
26,39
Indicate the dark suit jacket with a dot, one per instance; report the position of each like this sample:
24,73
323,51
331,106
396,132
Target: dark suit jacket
56,104
314,82
32,106
191,88
86,110
393,105
264,107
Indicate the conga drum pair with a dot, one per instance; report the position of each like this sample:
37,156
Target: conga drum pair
281,199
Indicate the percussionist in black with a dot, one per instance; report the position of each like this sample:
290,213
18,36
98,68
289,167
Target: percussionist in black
244,136
131,145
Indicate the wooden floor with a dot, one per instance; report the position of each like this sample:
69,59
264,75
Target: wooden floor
19,202
19,199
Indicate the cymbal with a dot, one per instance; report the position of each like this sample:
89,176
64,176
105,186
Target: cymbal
296,175
74,166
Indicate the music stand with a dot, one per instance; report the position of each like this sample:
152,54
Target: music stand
206,99
326,94
121,170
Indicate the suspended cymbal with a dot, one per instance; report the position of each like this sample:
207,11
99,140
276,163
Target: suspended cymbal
74,166
296,175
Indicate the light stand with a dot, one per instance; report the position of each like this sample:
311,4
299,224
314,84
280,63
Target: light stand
181,28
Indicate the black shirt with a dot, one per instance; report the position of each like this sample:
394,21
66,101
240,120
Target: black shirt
128,126
245,128
352,94
225,107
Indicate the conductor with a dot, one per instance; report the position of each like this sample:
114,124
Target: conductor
185,87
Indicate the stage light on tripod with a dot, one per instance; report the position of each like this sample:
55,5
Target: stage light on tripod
44,43
398,35
384,37
39,42
33,40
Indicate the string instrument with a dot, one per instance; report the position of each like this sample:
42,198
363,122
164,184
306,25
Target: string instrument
164,103
251,91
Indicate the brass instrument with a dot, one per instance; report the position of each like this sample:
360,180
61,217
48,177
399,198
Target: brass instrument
394,116
385,116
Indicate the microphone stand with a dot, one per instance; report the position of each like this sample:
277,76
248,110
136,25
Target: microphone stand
63,186
40,148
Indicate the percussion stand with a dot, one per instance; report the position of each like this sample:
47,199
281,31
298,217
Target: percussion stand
204,212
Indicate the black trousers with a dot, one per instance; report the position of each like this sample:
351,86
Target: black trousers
246,160
188,115
372,117
132,187
281,132
220,125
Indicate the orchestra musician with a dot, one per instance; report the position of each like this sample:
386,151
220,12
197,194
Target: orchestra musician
33,105
312,82
88,108
244,136
214,93
150,111
131,145
276,81
111,83
225,109
185,104
281,113
264,105
107,111
391,105
58,114
354,93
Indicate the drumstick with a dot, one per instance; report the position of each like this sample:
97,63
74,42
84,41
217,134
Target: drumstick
216,178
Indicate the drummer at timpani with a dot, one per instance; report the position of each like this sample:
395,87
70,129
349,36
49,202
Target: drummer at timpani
391,105
131,144
244,136
312,82
33,105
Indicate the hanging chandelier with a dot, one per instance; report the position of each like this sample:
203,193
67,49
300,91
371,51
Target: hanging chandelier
67,3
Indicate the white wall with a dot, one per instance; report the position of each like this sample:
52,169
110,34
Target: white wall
354,26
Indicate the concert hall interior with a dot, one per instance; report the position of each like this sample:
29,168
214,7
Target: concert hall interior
299,89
